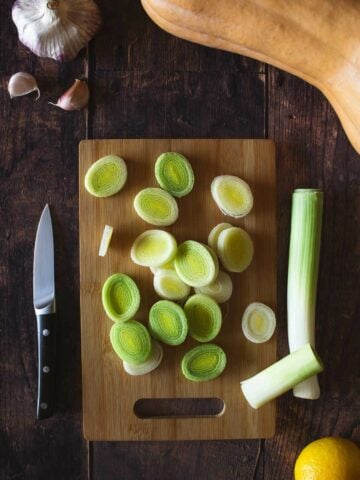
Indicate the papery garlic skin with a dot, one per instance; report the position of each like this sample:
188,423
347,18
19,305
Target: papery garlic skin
57,29
22,83
75,98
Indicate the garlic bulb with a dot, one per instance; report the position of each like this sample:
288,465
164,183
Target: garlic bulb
75,98
58,29
22,83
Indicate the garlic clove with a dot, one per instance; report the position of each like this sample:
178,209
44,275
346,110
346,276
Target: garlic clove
58,29
75,98
22,83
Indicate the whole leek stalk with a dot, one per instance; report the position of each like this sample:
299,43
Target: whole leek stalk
304,253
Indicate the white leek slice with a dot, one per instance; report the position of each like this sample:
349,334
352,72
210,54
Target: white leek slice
106,176
105,240
282,376
156,206
174,174
153,248
220,290
304,253
235,249
196,264
149,365
204,317
167,266
258,322
168,284
232,195
214,234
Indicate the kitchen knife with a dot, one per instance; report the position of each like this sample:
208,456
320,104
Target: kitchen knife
45,308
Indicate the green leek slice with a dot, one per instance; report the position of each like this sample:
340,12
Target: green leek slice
258,322
156,206
131,341
120,297
106,177
153,248
149,365
204,317
168,322
166,266
174,174
232,195
220,290
168,284
235,249
196,264
281,376
214,234
204,362
105,240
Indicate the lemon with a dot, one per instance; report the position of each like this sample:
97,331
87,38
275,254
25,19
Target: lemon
329,458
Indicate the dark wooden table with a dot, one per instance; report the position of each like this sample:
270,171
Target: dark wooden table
146,83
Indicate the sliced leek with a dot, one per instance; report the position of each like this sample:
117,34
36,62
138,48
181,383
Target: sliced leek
203,363
214,234
156,206
131,341
232,195
304,253
220,290
281,376
168,284
204,317
149,365
258,322
106,177
168,322
105,240
235,249
153,248
120,297
166,266
174,173
196,264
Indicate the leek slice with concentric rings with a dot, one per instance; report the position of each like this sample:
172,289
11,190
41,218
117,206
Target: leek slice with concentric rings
156,206
220,290
106,176
204,362
258,322
149,365
131,341
232,195
196,264
235,249
168,322
168,284
153,248
174,174
214,234
120,297
204,317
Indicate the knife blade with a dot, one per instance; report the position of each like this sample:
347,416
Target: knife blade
45,310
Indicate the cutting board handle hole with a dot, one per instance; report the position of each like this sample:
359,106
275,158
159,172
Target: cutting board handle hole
179,407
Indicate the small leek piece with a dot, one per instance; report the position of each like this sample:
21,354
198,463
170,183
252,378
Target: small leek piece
304,253
196,264
120,297
220,290
203,363
168,284
235,249
156,206
168,322
149,365
105,240
204,317
258,322
281,376
166,266
232,195
153,248
214,234
174,174
131,341
106,177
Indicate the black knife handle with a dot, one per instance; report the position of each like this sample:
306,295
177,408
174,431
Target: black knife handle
46,331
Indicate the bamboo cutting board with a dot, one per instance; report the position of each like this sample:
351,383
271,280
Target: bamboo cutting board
117,406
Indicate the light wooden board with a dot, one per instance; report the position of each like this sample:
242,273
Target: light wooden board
109,394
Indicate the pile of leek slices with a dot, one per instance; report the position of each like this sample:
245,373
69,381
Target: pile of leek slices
178,269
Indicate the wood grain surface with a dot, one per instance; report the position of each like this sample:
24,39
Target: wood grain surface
109,394
146,83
